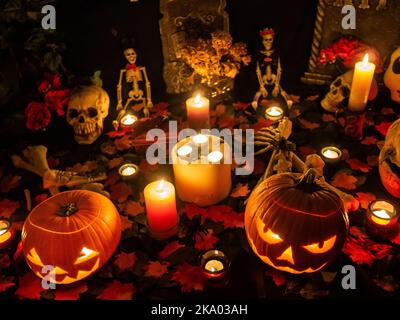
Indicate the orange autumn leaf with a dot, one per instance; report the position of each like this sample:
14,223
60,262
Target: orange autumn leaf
365,199
327,117
121,191
356,164
9,182
313,98
370,140
277,276
241,190
344,180
205,242
29,287
5,283
189,277
126,223
155,269
383,127
70,292
125,261
169,249
133,208
113,163
7,208
117,291
261,123
112,178
294,98
307,124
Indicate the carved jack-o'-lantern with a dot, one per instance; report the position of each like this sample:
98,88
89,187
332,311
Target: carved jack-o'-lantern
75,232
294,223
392,76
389,160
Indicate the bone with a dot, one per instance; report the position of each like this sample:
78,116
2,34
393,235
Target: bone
27,194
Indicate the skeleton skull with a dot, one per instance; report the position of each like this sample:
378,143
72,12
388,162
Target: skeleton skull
130,55
87,109
339,90
268,41
389,160
392,76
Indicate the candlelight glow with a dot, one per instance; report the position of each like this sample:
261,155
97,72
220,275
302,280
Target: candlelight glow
128,120
160,187
215,156
200,139
184,151
274,111
4,226
214,266
365,61
331,154
381,214
197,99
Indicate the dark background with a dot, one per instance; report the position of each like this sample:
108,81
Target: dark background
88,27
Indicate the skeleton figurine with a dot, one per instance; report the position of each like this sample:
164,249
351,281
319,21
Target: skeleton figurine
87,109
392,76
339,90
268,69
129,92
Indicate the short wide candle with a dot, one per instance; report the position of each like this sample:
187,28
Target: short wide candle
198,112
361,85
161,211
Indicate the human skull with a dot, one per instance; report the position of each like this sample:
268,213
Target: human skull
268,41
339,90
87,109
389,160
130,55
392,76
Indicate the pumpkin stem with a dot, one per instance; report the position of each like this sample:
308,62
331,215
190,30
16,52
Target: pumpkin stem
307,181
67,210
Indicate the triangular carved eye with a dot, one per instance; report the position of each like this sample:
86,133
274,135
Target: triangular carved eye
85,255
269,236
34,258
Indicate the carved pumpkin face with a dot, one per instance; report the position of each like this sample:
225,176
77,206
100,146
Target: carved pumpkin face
389,160
76,232
295,226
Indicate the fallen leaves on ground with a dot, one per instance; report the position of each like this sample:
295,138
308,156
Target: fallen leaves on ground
169,249
121,191
70,292
9,182
373,161
365,199
117,291
7,208
83,168
125,261
126,223
6,282
132,208
356,164
308,124
189,277
113,163
205,241
344,180
155,269
241,190
277,276
370,140
40,198
383,128
30,287
387,283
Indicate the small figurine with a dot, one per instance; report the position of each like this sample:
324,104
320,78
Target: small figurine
392,76
130,91
268,69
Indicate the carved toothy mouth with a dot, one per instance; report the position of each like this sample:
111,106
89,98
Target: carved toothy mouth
85,129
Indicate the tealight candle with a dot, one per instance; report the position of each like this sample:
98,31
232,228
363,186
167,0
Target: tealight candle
274,113
382,214
128,120
204,177
215,265
198,112
331,154
128,171
361,84
161,210
6,233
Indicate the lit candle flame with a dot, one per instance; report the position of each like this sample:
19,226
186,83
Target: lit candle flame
160,187
197,99
381,214
3,227
200,139
365,61
185,151
129,119
331,154
275,111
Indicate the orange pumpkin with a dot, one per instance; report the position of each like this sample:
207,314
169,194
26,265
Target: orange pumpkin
75,232
294,223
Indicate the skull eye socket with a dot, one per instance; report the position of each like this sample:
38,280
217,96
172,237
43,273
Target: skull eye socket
337,82
396,66
321,247
345,91
92,112
73,113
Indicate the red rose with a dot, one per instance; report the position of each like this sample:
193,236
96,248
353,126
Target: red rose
56,81
50,81
56,100
38,116
44,86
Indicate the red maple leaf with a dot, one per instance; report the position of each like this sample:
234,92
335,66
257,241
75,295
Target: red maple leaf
126,223
313,98
169,249
85,167
189,277
395,238
365,199
121,191
344,180
112,178
369,141
356,164
126,142
132,208
277,276
30,287
155,269
5,283
205,241
9,182
113,163
125,261
241,190
7,208
357,252
383,128
117,291
70,292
